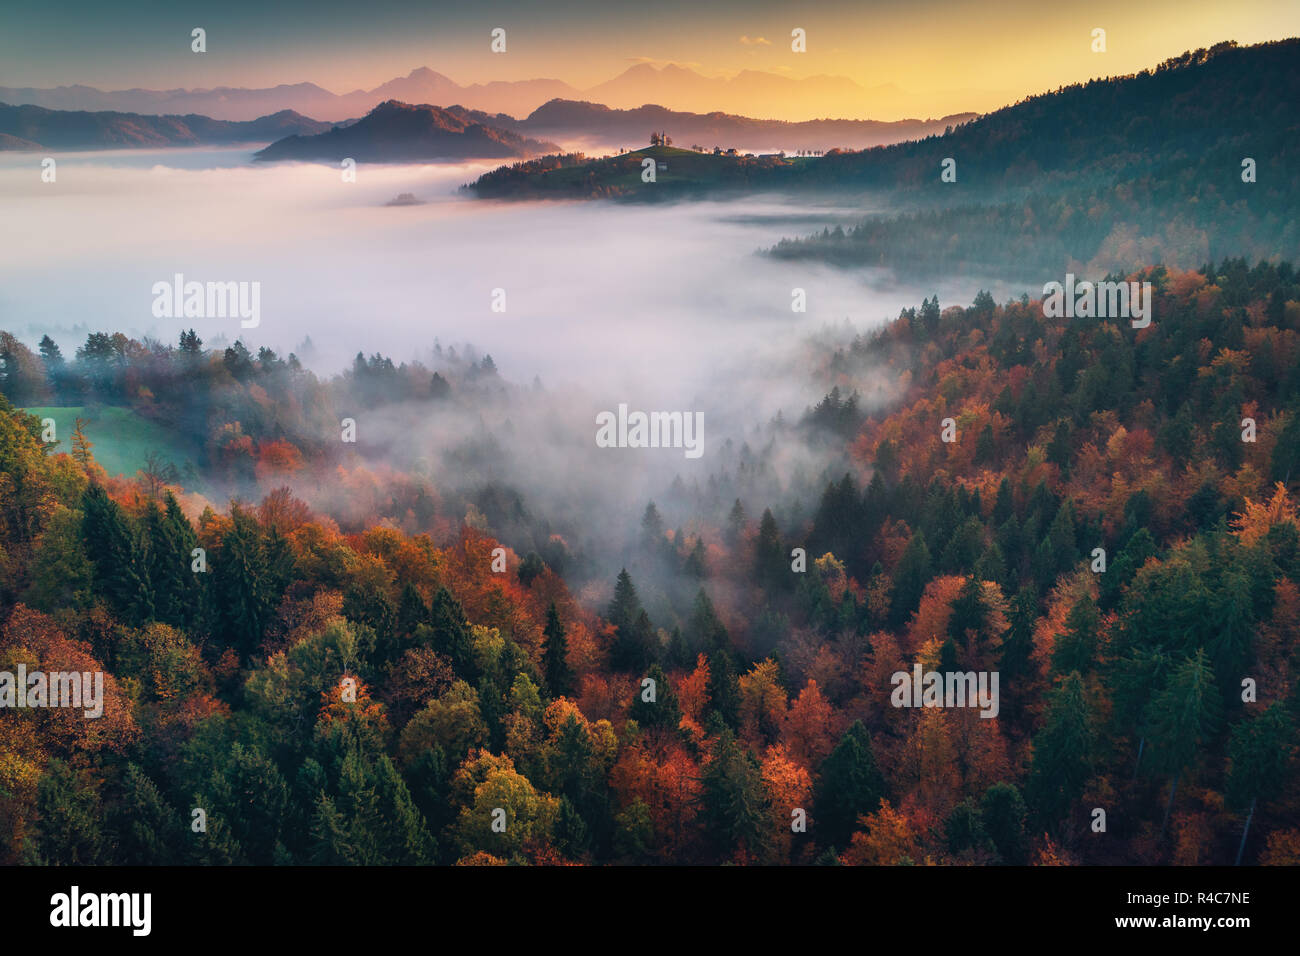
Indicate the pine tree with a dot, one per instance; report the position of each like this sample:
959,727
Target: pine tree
114,553
736,519
555,656
1017,647
1003,813
735,809
633,648
695,565
704,630
1063,753
148,829
1184,717
910,578
451,633
663,712
969,615
724,688
411,611
1259,755
81,445
177,587
849,785
652,528
1076,649
771,572
243,591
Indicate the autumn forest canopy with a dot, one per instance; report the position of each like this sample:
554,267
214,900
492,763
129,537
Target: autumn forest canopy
404,610
478,688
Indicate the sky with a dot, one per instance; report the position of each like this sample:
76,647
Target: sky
940,49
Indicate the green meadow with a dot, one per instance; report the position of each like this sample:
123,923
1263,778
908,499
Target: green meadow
120,438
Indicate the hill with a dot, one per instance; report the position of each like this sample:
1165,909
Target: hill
1207,104
1177,165
122,438
565,118
35,127
679,172
400,132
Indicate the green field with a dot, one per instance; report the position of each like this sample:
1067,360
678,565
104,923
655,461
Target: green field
120,439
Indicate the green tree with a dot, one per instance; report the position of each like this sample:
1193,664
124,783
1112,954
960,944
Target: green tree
244,593
1259,755
663,712
735,810
1184,718
555,656
1063,753
849,785
634,639
1003,813
771,571
68,831
1076,649
910,578
115,554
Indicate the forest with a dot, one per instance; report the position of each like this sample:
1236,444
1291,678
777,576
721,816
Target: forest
1181,164
315,654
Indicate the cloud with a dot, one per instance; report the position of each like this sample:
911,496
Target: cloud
755,41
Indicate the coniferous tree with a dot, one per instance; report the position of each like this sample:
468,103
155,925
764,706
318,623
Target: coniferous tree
177,588
1003,813
1184,716
633,648
411,611
451,634
111,545
771,572
1259,754
1063,753
735,804
555,656
910,578
663,713
148,830
1076,649
724,688
849,785
242,587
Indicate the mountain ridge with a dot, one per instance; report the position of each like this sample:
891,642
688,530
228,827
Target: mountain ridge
35,127
397,132
680,88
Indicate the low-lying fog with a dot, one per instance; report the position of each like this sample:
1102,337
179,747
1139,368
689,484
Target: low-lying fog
663,307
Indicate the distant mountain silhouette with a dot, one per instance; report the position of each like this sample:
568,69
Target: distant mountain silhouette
750,93
14,143
401,132
567,118
35,127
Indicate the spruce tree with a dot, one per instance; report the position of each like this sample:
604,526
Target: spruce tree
555,656
849,785
1063,753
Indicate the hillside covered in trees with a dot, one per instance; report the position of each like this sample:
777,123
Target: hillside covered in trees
363,678
1099,175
